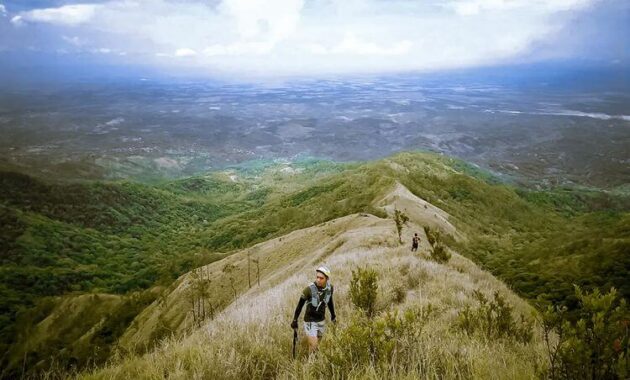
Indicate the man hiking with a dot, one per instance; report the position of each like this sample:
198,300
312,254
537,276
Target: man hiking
414,242
316,296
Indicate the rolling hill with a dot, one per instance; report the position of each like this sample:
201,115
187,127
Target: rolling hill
95,271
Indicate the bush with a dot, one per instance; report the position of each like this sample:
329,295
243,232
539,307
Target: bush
385,343
494,319
440,254
595,346
438,249
416,277
399,292
432,236
363,290
401,219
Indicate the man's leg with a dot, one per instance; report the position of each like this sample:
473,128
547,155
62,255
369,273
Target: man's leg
311,335
312,344
316,331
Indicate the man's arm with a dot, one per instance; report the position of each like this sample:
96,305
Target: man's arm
298,309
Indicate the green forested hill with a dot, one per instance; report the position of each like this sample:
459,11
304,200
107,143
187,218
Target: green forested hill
119,237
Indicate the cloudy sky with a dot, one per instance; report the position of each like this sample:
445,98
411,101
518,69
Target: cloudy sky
315,36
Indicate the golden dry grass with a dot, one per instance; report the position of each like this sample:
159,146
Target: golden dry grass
251,337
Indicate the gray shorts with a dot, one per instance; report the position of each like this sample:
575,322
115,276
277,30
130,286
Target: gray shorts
315,328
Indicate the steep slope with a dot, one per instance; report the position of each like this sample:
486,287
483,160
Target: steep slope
250,337
540,243
419,211
173,312
76,329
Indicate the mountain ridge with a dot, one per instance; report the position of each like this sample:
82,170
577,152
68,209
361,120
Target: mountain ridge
358,240
505,230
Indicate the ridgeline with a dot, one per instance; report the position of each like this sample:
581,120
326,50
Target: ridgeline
198,277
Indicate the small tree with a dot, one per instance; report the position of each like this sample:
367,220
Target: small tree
229,270
438,249
432,236
257,262
363,290
494,319
596,345
198,294
249,278
439,253
401,219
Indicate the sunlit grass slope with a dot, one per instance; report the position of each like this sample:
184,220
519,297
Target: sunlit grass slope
419,302
69,239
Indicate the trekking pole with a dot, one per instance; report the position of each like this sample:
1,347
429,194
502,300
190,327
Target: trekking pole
294,341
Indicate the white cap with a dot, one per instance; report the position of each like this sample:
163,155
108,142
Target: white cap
325,270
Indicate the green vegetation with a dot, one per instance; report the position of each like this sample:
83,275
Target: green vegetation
438,250
61,239
539,242
385,343
494,319
400,218
77,331
122,237
417,338
593,347
363,290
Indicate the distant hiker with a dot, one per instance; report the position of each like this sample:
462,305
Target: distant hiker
316,296
414,242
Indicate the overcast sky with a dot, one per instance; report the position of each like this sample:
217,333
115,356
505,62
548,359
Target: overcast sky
316,36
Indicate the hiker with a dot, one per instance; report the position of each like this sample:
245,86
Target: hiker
316,296
414,242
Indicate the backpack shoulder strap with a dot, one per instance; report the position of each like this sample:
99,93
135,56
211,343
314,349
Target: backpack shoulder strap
314,296
328,293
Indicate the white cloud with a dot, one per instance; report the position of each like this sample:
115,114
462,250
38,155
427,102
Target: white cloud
239,48
185,52
267,19
351,44
70,15
3,10
474,7
74,40
299,36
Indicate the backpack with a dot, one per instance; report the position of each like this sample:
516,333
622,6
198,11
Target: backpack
315,301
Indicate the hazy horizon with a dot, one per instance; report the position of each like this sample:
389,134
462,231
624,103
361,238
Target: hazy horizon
238,39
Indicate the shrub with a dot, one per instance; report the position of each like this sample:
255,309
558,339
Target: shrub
595,346
416,277
440,254
399,292
363,290
432,236
494,319
438,249
384,343
401,219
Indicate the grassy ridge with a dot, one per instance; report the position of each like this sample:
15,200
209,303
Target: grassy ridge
131,236
539,242
414,332
119,237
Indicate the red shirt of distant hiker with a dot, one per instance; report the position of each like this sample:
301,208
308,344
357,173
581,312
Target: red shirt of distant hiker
316,296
